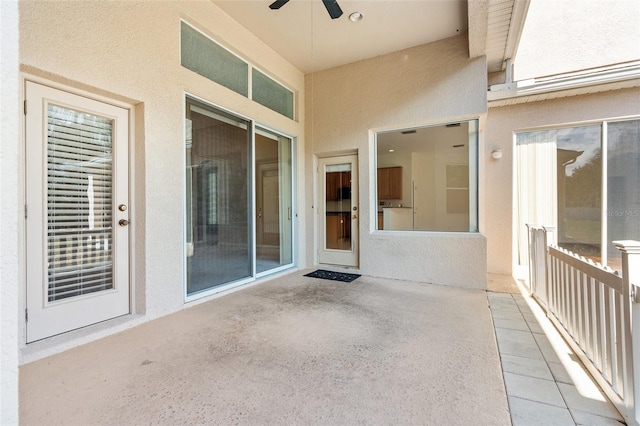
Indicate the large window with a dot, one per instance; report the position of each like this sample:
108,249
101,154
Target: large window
427,178
238,207
583,181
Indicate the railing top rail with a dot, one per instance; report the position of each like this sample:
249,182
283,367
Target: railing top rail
601,273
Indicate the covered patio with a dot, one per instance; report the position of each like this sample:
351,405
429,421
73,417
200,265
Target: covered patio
299,350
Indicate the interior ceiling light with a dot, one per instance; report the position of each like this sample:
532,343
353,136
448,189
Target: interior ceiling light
356,17
391,150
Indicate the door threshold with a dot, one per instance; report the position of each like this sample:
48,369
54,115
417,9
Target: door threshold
30,352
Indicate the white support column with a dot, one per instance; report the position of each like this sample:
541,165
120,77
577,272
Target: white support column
631,280
10,210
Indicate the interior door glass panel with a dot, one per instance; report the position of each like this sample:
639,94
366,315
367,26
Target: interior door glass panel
338,207
79,203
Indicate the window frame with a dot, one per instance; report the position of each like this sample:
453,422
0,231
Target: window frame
253,127
473,183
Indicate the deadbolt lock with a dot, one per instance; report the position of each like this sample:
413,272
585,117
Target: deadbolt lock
122,207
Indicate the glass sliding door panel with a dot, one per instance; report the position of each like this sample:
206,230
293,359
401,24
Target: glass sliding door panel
579,190
338,207
623,181
273,183
217,198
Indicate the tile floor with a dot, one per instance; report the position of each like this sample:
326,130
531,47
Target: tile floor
545,382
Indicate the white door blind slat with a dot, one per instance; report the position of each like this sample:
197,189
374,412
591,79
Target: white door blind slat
87,278
78,231
96,181
78,128
79,290
82,147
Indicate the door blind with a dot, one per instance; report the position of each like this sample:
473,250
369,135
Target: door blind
79,203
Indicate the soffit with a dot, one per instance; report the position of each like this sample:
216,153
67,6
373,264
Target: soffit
303,33
504,20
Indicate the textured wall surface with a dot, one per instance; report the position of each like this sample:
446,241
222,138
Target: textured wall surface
501,125
130,51
571,35
9,224
428,84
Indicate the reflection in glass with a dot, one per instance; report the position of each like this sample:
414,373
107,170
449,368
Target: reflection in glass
575,184
273,201
579,190
338,207
79,204
217,228
623,183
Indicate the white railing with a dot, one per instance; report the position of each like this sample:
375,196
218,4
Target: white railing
595,309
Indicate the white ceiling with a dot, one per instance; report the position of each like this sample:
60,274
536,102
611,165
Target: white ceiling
303,33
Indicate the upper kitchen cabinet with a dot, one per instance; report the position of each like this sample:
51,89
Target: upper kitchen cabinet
390,183
338,185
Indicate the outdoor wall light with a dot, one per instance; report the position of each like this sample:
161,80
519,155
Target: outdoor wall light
496,154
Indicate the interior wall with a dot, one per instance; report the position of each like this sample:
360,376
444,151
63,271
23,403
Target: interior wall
130,51
502,123
9,208
428,84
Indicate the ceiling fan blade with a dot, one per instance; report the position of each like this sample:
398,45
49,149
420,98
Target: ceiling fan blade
278,4
333,8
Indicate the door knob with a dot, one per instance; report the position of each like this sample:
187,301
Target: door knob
123,222
355,216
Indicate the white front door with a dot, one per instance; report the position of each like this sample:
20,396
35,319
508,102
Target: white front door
77,198
338,211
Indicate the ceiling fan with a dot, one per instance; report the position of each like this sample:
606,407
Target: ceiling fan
332,7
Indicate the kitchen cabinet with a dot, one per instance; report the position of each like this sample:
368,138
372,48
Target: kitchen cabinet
390,183
335,182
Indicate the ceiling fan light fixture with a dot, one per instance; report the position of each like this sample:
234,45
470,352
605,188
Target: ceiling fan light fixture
356,17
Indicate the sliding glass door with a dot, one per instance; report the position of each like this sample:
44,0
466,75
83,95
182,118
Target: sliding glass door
274,212
238,205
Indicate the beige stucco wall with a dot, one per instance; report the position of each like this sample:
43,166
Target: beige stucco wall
570,35
130,51
501,125
433,83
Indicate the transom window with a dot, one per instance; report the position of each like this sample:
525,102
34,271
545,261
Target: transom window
204,56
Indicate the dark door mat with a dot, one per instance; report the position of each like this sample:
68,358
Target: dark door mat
330,275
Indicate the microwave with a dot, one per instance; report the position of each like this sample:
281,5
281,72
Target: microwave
344,193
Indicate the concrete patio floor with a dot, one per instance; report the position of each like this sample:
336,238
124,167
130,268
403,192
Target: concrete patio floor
293,350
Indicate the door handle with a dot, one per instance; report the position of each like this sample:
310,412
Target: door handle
123,222
355,216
